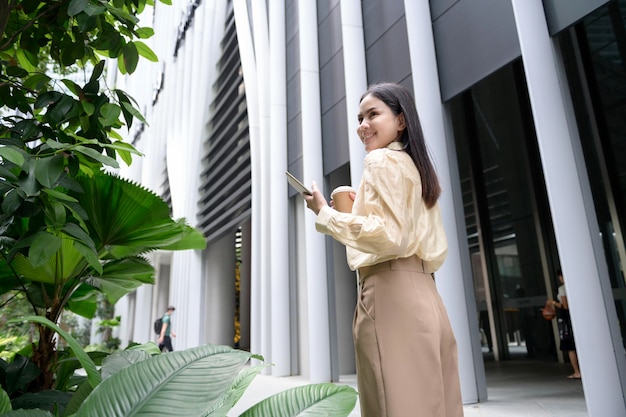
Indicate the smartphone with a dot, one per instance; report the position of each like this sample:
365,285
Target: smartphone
297,184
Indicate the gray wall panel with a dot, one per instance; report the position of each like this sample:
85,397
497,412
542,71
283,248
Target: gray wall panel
378,16
564,13
333,90
294,122
330,41
332,83
388,58
291,19
293,98
472,39
335,137
439,7
324,7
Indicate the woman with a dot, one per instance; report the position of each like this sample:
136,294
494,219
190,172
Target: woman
566,336
406,353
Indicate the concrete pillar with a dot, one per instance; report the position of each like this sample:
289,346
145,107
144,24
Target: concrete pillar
592,308
454,280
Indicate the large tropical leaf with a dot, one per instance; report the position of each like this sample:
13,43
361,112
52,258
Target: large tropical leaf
128,219
182,383
66,263
119,277
235,391
314,400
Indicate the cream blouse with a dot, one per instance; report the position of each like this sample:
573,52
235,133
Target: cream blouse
389,219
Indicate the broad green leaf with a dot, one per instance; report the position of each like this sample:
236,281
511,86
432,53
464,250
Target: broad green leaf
130,55
84,301
79,396
7,175
88,107
15,71
149,347
133,111
92,153
145,51
188,381
90,256
47,98
122,146
12,201
110,114
24,60
97,71
68,264
12,154
36,81
145,32
120,277
41,400
19,373
59,195
43,248
92,372
48,170
193,239
55,213
55,144
5,402
59,111
311,400
76,6
79,233
235,391
120,360
73,87
28,186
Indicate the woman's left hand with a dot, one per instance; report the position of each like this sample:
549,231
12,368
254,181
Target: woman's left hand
316,200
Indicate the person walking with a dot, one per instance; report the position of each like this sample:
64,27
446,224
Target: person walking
406,352
165,337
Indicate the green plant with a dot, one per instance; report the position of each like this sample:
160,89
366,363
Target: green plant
120,221
56,136
203,381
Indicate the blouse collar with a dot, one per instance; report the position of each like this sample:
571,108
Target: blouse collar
396,146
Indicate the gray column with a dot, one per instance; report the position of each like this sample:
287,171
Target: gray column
454,278
598,344
317,282
355,75
259,302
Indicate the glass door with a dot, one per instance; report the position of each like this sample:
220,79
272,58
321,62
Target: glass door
508,222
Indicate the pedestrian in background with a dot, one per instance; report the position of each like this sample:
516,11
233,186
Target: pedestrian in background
165,337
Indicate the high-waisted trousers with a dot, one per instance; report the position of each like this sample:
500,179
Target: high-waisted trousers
406,353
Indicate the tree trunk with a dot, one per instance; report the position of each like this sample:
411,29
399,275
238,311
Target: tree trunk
44,356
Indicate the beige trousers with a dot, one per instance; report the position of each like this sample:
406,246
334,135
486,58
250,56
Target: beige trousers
406,354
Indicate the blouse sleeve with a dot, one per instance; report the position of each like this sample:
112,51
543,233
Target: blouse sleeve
386,209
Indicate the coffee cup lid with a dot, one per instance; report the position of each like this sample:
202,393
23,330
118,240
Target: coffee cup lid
341,189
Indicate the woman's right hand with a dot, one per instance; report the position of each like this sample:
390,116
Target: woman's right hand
315,201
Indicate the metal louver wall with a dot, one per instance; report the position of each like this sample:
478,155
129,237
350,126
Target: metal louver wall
166,193
225,194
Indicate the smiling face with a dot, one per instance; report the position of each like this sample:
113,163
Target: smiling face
378,126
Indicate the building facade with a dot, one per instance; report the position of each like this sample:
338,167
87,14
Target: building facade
522,103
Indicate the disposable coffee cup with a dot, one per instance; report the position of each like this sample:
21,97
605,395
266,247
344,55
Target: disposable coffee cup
341,198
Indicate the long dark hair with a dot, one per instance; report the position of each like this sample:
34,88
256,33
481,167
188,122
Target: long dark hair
400,101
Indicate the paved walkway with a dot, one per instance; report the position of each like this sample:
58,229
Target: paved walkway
514,389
